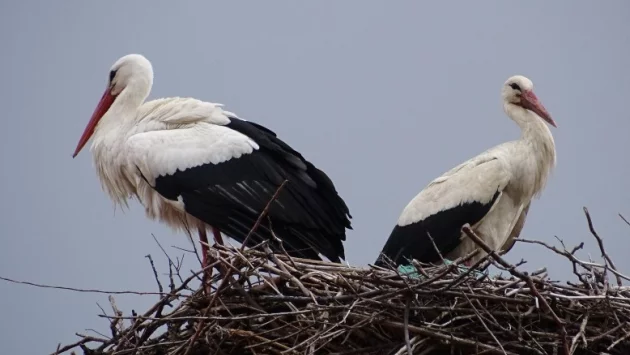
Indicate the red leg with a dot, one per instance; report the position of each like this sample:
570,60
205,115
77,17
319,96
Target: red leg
219,240
217,236
205,261
207,274
203,238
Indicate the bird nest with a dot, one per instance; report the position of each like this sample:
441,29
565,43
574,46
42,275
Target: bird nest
261,303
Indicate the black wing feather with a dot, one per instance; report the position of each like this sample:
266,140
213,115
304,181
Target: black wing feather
413,242
308,216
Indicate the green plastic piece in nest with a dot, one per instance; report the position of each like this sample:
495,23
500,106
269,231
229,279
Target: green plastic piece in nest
408,270
411,271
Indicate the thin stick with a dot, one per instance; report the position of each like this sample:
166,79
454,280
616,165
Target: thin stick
406,320
263,214
75,289
600,242
155,273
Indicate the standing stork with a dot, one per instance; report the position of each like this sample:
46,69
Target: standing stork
194,165
491,192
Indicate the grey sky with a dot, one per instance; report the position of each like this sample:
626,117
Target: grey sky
384,96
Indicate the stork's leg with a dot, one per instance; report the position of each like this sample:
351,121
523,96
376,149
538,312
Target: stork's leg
203,238
217,236
205,261
219,240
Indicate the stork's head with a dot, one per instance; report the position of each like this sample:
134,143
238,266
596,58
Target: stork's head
130,70
130,80
519,91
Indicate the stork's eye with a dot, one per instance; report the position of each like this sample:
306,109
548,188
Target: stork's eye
112,74
515,86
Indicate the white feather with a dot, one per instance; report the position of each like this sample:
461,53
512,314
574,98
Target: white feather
476,180
159,153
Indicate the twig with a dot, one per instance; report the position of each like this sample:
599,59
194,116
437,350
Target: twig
171,264
79,289
83,341
600,242
406,320
263,214
155,273
574,342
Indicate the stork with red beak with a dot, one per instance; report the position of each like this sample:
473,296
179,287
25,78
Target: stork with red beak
194,165
491,192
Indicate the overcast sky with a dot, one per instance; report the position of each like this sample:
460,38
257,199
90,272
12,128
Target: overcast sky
384,96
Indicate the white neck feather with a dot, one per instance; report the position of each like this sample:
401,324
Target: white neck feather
536,134
109,137
124,108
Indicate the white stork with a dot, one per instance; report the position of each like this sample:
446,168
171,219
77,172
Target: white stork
491,192
194,165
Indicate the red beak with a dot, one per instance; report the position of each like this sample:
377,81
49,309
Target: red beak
101,108
530,102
